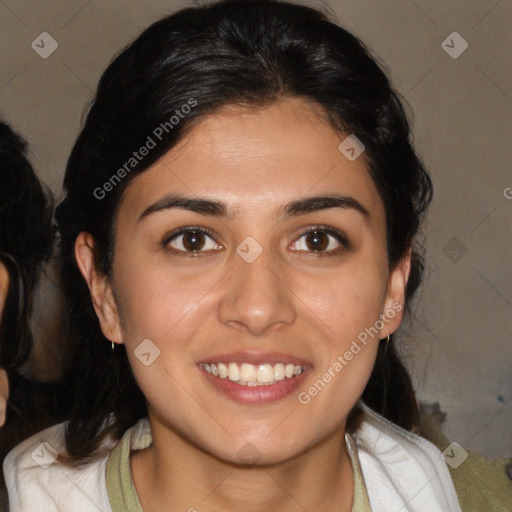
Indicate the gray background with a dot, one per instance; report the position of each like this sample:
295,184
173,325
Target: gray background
458,344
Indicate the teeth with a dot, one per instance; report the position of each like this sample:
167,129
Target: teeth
265,373
223,370
279,372
253,375
247,372
234,372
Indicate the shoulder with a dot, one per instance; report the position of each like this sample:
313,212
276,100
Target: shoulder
481,483
37,480
400,466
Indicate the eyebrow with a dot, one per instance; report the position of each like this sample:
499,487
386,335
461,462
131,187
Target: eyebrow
292,209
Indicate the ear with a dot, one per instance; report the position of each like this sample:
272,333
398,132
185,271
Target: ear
100,288
394,303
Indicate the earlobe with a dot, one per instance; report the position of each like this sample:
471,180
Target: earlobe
99,287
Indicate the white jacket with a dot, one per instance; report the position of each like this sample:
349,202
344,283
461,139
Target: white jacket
402,471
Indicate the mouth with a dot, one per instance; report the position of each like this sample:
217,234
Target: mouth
247,374
254,378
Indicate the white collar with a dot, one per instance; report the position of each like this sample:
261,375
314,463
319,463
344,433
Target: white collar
403,472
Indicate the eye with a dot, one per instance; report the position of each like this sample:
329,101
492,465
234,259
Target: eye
323,240
191,240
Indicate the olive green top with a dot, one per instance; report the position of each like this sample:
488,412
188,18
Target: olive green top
123,495
481,484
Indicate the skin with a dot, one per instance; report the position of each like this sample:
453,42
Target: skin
288,300
4,382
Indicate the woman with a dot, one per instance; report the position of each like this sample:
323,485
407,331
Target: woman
239,234
26,239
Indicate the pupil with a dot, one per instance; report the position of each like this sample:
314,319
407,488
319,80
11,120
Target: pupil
193,241
318,241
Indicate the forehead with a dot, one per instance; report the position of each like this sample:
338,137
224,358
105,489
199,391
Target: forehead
257,157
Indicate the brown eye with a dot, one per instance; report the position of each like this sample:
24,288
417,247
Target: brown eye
317,241
324,241
191,240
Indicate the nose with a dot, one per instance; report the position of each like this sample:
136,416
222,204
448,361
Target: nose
257,298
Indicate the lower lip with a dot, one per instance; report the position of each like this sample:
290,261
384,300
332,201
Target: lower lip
255,394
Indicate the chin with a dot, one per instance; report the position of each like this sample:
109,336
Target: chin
256,451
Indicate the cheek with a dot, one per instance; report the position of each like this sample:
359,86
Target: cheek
346,310
153,300
345,307
347,301
159,316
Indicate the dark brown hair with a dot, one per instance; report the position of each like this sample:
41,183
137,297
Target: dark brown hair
234,52
26,241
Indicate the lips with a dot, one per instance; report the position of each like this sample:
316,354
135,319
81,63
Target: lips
254,377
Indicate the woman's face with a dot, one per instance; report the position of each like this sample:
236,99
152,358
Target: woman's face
259,294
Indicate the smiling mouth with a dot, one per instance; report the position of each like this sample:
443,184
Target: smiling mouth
246,374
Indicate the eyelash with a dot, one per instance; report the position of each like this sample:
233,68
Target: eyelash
338,235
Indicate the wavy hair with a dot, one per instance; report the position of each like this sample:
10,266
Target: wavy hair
26,240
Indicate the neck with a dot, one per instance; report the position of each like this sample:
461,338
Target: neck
174,471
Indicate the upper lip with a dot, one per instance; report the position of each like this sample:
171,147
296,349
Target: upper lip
255,358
